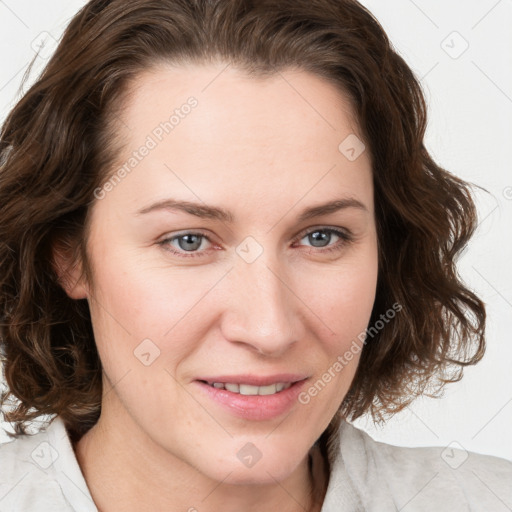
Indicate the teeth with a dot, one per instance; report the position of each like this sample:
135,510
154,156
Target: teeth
270,389
247,389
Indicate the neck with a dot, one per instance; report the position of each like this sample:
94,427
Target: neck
128,475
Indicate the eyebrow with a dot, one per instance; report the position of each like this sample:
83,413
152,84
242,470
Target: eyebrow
204,211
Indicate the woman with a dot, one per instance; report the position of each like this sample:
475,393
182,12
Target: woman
223,239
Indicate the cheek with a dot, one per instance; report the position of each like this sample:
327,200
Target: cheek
147,296
342,298
134,302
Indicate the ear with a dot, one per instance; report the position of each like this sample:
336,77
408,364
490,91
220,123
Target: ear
68,267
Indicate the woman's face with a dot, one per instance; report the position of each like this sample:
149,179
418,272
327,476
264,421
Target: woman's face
261,293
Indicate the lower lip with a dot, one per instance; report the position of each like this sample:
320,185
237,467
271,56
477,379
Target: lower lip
254,407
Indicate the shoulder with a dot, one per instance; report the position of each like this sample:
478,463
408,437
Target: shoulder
39,471
424,478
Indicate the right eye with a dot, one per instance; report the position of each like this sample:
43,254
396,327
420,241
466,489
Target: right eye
185,245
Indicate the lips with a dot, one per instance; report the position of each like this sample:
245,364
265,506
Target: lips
251,406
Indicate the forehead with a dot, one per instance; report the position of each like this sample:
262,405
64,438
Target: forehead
286,107
272,139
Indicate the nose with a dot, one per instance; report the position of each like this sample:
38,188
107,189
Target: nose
262,310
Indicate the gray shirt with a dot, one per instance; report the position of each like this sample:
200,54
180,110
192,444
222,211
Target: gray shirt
40,473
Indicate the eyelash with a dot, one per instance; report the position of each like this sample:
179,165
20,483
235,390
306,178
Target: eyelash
345,239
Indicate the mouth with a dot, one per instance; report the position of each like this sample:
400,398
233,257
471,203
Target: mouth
253,398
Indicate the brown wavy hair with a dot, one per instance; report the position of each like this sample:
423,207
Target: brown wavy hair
58,145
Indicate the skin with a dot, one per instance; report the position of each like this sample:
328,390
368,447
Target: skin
264,149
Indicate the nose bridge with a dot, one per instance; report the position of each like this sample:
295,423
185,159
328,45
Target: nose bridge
261,312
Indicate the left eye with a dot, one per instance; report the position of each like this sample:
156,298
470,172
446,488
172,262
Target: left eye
320,235
191,242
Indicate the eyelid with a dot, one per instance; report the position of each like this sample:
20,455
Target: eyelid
335,229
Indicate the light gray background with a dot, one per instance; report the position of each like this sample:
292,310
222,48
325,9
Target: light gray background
469,133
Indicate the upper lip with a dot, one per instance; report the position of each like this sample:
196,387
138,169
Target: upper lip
256,380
